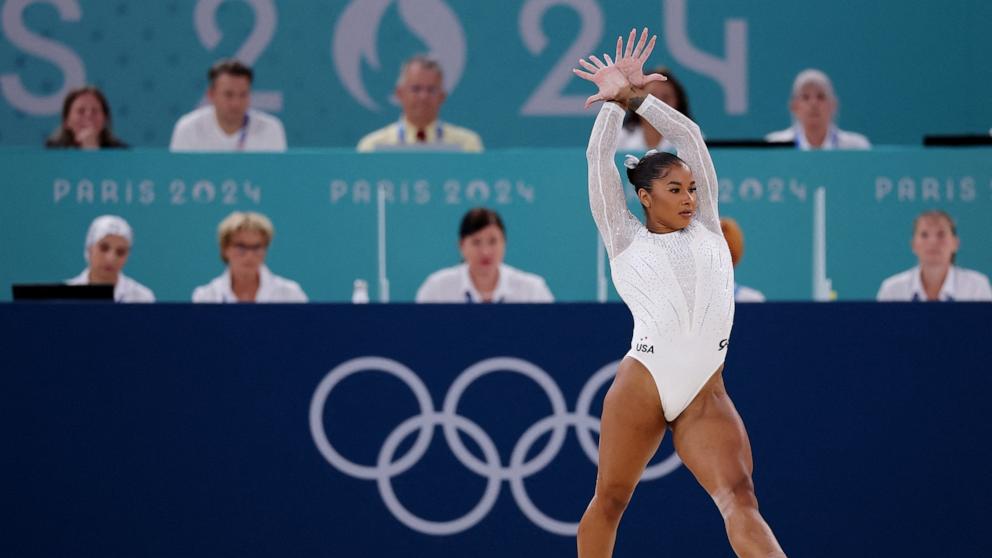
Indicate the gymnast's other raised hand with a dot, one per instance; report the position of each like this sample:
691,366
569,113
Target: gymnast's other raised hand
622,79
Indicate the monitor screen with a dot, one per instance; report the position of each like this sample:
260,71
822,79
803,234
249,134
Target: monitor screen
61,291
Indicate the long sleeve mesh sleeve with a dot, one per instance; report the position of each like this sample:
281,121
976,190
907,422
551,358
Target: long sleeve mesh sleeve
616,224
686,137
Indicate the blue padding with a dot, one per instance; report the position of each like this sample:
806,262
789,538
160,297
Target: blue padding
179,430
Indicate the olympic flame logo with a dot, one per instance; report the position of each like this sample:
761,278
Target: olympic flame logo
491,468
357,31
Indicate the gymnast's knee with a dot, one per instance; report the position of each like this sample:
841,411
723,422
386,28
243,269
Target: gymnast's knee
736,497
611,501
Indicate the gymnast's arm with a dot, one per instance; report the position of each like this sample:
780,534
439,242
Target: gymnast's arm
616,224
685,135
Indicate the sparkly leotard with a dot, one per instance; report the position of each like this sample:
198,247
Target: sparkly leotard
678,286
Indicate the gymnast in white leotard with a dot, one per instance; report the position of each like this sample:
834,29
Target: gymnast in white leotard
678,285
676,276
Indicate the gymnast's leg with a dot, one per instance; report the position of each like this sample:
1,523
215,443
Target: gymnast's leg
710,438
633,425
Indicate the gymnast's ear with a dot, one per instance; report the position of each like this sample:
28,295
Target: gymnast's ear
645,196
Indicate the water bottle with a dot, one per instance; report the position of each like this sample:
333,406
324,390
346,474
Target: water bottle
361,293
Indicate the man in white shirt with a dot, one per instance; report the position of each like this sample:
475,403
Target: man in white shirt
227,123
420,91
813,106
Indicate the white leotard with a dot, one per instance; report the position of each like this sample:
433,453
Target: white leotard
679,286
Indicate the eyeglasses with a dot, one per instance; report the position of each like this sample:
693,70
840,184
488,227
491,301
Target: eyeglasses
242,248
431,90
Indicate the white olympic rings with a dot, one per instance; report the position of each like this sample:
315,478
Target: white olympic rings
452,423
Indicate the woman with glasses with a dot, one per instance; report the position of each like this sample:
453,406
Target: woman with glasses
244,240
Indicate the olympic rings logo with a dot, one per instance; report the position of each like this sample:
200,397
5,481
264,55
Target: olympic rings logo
388,465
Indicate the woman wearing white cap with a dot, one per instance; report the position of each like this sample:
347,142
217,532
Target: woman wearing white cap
108,245
813,106
244,238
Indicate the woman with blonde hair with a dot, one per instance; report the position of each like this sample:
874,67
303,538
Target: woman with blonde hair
244,239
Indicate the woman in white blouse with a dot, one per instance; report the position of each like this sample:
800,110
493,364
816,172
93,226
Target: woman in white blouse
244,242
935,277
107,248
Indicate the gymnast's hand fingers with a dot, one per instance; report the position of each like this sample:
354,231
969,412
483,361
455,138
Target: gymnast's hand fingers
649,49
592,99
630,43
584,75
640,44
587,66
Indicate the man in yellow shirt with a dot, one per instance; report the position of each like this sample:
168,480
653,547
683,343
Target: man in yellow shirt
420,91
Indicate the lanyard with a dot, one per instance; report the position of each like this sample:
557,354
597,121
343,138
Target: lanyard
243,135
468,298
401,132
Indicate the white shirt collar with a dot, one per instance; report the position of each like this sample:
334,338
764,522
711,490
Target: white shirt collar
830,142
472,294
947,290
265,285
407,132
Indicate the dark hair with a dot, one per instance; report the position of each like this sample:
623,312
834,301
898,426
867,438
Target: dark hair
632,119
477,219
650,168
231,67
63,136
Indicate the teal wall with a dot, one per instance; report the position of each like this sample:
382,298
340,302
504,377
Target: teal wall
901,69
323,206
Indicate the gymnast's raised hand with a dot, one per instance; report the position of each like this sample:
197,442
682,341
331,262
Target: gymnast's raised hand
622,78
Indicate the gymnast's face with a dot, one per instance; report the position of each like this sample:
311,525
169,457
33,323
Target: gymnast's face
671,203
484,249
107,258
934,242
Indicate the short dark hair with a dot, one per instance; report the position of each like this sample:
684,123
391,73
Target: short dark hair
231,67
477,219
650,168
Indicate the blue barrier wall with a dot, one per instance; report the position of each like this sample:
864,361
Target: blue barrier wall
190,430
328,68
323,204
